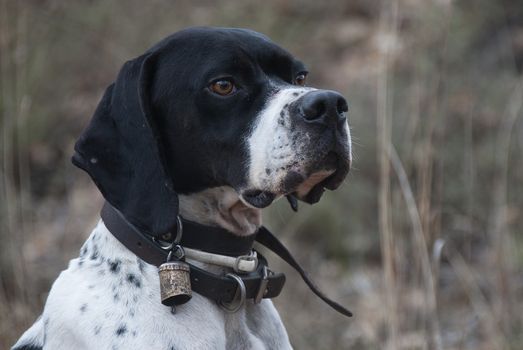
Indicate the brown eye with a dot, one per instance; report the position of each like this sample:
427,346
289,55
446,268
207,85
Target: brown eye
223,87
301,79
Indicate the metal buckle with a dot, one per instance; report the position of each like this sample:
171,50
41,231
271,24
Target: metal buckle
251,257
262,289
239,296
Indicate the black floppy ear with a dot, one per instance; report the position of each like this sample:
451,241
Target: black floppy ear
121,151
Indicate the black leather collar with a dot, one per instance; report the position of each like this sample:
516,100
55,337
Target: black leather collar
214,240
219,241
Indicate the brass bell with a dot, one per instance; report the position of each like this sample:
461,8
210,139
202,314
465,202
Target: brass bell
175,283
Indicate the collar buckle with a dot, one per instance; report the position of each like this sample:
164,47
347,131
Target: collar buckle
262,289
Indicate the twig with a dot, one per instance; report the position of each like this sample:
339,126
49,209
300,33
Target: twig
388,24
421,244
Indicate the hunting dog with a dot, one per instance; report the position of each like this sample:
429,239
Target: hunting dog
213,124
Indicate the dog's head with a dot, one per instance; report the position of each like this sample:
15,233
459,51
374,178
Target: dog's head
210,107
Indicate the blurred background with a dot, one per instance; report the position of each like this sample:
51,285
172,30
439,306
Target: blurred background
423,242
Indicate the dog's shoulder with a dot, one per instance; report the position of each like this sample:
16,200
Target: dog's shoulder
109,297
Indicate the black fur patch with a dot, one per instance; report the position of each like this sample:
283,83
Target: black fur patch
121,330
131,278
83,251
95,253
114,266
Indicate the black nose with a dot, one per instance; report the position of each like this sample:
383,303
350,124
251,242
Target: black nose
324,107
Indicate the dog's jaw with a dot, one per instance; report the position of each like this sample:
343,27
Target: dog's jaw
222,207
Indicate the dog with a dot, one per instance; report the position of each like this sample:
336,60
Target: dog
213,124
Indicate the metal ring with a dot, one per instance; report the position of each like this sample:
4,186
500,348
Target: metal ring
177,239
164,247
179,230
178,248
230,307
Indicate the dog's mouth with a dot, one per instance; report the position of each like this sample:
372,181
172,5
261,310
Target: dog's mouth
306,185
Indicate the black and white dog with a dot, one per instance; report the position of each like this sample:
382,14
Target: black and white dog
212,124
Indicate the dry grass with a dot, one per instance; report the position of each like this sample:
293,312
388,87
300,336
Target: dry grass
424,240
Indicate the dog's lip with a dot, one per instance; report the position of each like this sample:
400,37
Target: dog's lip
331,182
308,188
312,181
329,174
257,198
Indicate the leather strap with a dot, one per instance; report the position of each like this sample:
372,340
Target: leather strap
223,289
215,240
218,288
266,238
210,285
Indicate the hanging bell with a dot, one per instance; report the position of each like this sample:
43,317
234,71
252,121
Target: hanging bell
175,282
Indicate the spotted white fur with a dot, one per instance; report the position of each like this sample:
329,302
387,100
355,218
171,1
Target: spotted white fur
109,299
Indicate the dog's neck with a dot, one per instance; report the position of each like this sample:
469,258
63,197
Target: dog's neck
220,206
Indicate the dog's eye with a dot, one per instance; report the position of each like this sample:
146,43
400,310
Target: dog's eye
223,87
301,79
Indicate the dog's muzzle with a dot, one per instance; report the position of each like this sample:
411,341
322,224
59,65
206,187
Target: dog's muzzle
302,151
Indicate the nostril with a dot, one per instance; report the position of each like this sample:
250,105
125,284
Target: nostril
342,106
320,108
314,108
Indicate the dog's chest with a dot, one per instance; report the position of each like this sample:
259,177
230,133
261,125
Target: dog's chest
108,298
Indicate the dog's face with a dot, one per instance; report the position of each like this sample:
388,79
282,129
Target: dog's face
233,111
215,107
